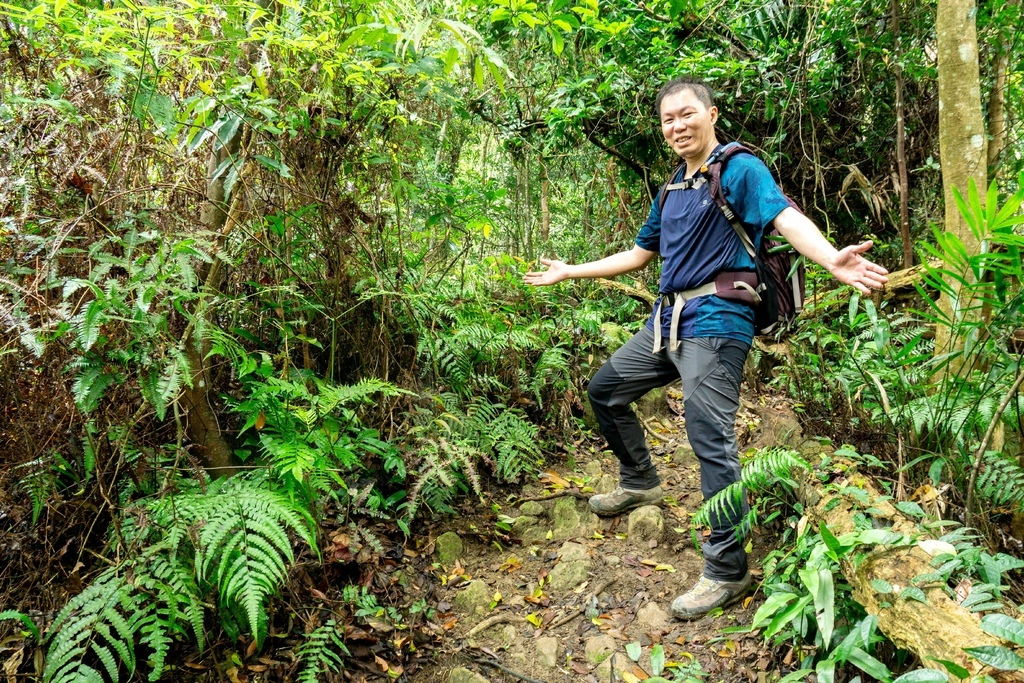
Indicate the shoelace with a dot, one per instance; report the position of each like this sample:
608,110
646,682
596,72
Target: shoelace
704,585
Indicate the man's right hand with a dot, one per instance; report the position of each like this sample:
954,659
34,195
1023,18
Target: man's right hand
556,272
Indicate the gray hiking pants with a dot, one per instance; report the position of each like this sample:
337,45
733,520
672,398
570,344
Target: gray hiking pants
711,369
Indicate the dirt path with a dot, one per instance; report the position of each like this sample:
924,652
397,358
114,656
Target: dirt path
530,605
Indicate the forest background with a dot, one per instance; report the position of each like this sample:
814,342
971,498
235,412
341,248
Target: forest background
284,240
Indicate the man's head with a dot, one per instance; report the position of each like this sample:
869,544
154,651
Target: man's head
687,111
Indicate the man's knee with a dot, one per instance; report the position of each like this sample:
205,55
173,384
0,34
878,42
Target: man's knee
603,385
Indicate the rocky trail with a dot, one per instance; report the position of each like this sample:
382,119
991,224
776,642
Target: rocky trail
542,589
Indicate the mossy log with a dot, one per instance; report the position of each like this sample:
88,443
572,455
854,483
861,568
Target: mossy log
937,629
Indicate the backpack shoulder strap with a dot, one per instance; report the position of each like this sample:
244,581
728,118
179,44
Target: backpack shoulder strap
664,188
713,167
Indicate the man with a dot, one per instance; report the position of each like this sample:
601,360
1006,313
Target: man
696,242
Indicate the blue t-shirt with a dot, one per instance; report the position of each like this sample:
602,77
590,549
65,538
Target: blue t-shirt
696,243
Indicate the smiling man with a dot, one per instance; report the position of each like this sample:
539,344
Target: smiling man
696,242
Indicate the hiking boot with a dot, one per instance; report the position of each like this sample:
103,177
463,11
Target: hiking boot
707,595
620,500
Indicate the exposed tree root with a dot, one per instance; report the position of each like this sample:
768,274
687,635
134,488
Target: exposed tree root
557,494
502,618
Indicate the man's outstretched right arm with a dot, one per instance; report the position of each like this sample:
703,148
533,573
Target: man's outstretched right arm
616,264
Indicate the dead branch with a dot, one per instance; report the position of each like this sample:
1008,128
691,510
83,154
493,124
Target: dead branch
598,589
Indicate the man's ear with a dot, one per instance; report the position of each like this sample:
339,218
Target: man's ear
714,115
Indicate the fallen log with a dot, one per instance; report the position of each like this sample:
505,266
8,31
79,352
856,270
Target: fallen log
937,629
638,293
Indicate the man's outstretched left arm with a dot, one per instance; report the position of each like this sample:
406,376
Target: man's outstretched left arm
846,265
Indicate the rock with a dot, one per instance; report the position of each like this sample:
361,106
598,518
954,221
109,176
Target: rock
464,675
567,575
448,548
645,524
474,598
572,552
532,508
509,635
613,336
651,617
547,652
655,402
534,536
522,523
598,649
612,560
685,456
622,663
606,484
593,469
531,491
566,518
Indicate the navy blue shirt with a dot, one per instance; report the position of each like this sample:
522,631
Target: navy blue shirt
696,243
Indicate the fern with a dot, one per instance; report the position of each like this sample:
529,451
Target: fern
232,539
318,653
766,469
244,548
1001,481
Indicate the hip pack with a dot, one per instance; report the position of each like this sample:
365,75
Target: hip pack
777,289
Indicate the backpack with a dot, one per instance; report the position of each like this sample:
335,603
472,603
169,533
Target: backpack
777,288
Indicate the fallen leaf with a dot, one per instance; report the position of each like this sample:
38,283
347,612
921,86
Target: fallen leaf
552,478
579,668
535,619
644,572
728,649
13,663
665,568
747,600
640,674
381,664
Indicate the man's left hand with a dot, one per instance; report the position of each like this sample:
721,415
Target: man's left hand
851,268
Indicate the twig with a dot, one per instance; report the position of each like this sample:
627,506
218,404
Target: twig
502,618
492,663
988,437
557,494
600,588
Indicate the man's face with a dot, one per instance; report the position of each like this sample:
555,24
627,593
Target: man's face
688,126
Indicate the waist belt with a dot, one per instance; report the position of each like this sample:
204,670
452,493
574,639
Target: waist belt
737,286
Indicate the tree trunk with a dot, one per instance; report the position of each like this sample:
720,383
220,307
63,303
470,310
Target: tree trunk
545,211
997,99
219,217
961,130
901,144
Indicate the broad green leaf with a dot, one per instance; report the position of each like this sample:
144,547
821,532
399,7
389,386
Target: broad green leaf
633,650
923,676
881,586
1003,627
819,583
997,657
657,659
913,593
773,604
868,664
953,668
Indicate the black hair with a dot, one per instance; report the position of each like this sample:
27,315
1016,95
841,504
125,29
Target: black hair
701,90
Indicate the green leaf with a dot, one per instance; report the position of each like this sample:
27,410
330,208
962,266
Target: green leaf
913,593
23,618
819,583
881,586
831,541
633,650
1003,627
773,604
953,668
910,508
997,657
923,676
868,664
274,165
657,659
